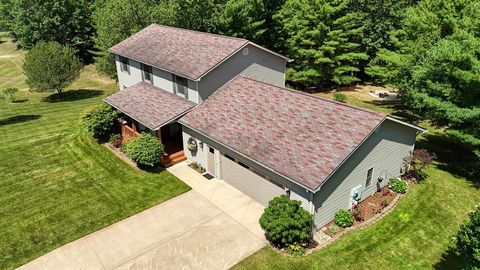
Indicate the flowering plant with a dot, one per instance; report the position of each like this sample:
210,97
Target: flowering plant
358,213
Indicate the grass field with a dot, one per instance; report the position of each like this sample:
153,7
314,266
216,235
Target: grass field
418,234
56,183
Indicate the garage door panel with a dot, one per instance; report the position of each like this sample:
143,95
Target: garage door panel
248,182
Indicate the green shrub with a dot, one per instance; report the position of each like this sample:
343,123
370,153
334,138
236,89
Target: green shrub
468,240
343,218
9,94
397,185
340,97
333,229
99,119
144,149
285,222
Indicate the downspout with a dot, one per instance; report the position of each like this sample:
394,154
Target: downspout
312,212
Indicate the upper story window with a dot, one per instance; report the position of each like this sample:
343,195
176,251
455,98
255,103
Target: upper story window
124,64
147,73
369,177
180,86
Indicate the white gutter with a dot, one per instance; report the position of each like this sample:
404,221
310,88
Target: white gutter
422,130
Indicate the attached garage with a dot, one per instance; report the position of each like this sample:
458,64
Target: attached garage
251,183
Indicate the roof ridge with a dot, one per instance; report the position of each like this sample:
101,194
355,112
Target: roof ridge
312,96
199,32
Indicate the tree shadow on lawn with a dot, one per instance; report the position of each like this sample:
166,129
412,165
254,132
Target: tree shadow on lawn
73,95
452,157
395,105
154,169
450,260
19,119
20,100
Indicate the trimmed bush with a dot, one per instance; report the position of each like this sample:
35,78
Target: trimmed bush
343,218
9,94
340,97
397,185
468,240
145,150
285,222
99,119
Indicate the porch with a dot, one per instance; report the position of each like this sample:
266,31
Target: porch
169,135
153,110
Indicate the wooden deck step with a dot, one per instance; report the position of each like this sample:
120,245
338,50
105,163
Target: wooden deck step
175,161
169,160
177,154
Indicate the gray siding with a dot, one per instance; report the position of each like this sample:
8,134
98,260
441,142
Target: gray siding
161,79
296,192
124,78
258,64
384,150
248,182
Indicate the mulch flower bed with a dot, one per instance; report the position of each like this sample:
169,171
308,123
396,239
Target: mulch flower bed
369,208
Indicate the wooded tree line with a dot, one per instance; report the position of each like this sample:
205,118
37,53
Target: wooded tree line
428,49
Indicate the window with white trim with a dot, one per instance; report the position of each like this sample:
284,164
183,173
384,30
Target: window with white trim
124,64
181,86
369,177
147,73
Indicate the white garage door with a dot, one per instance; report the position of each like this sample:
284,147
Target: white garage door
248,182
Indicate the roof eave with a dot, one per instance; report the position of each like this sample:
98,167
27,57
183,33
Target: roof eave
150,64
109,103
270,51
420,129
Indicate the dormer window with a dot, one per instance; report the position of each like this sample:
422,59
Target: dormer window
181,86
124,64
147,73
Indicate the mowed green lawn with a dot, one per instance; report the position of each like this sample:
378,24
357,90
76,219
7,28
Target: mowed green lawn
418,234
56,183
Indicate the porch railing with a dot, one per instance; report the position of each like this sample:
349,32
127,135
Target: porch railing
128,133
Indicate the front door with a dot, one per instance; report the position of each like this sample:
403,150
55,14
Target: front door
211,161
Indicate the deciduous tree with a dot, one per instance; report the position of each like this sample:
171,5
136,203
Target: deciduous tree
67,22
51,67
114,21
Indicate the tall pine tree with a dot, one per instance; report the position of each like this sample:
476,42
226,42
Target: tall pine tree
323,39
436,66
253,20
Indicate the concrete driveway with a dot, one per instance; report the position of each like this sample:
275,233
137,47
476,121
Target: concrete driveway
213,226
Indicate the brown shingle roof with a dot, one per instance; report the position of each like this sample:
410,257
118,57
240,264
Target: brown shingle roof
149,105
297,135
183,52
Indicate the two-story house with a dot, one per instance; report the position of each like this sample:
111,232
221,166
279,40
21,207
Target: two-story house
172,70
221,102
